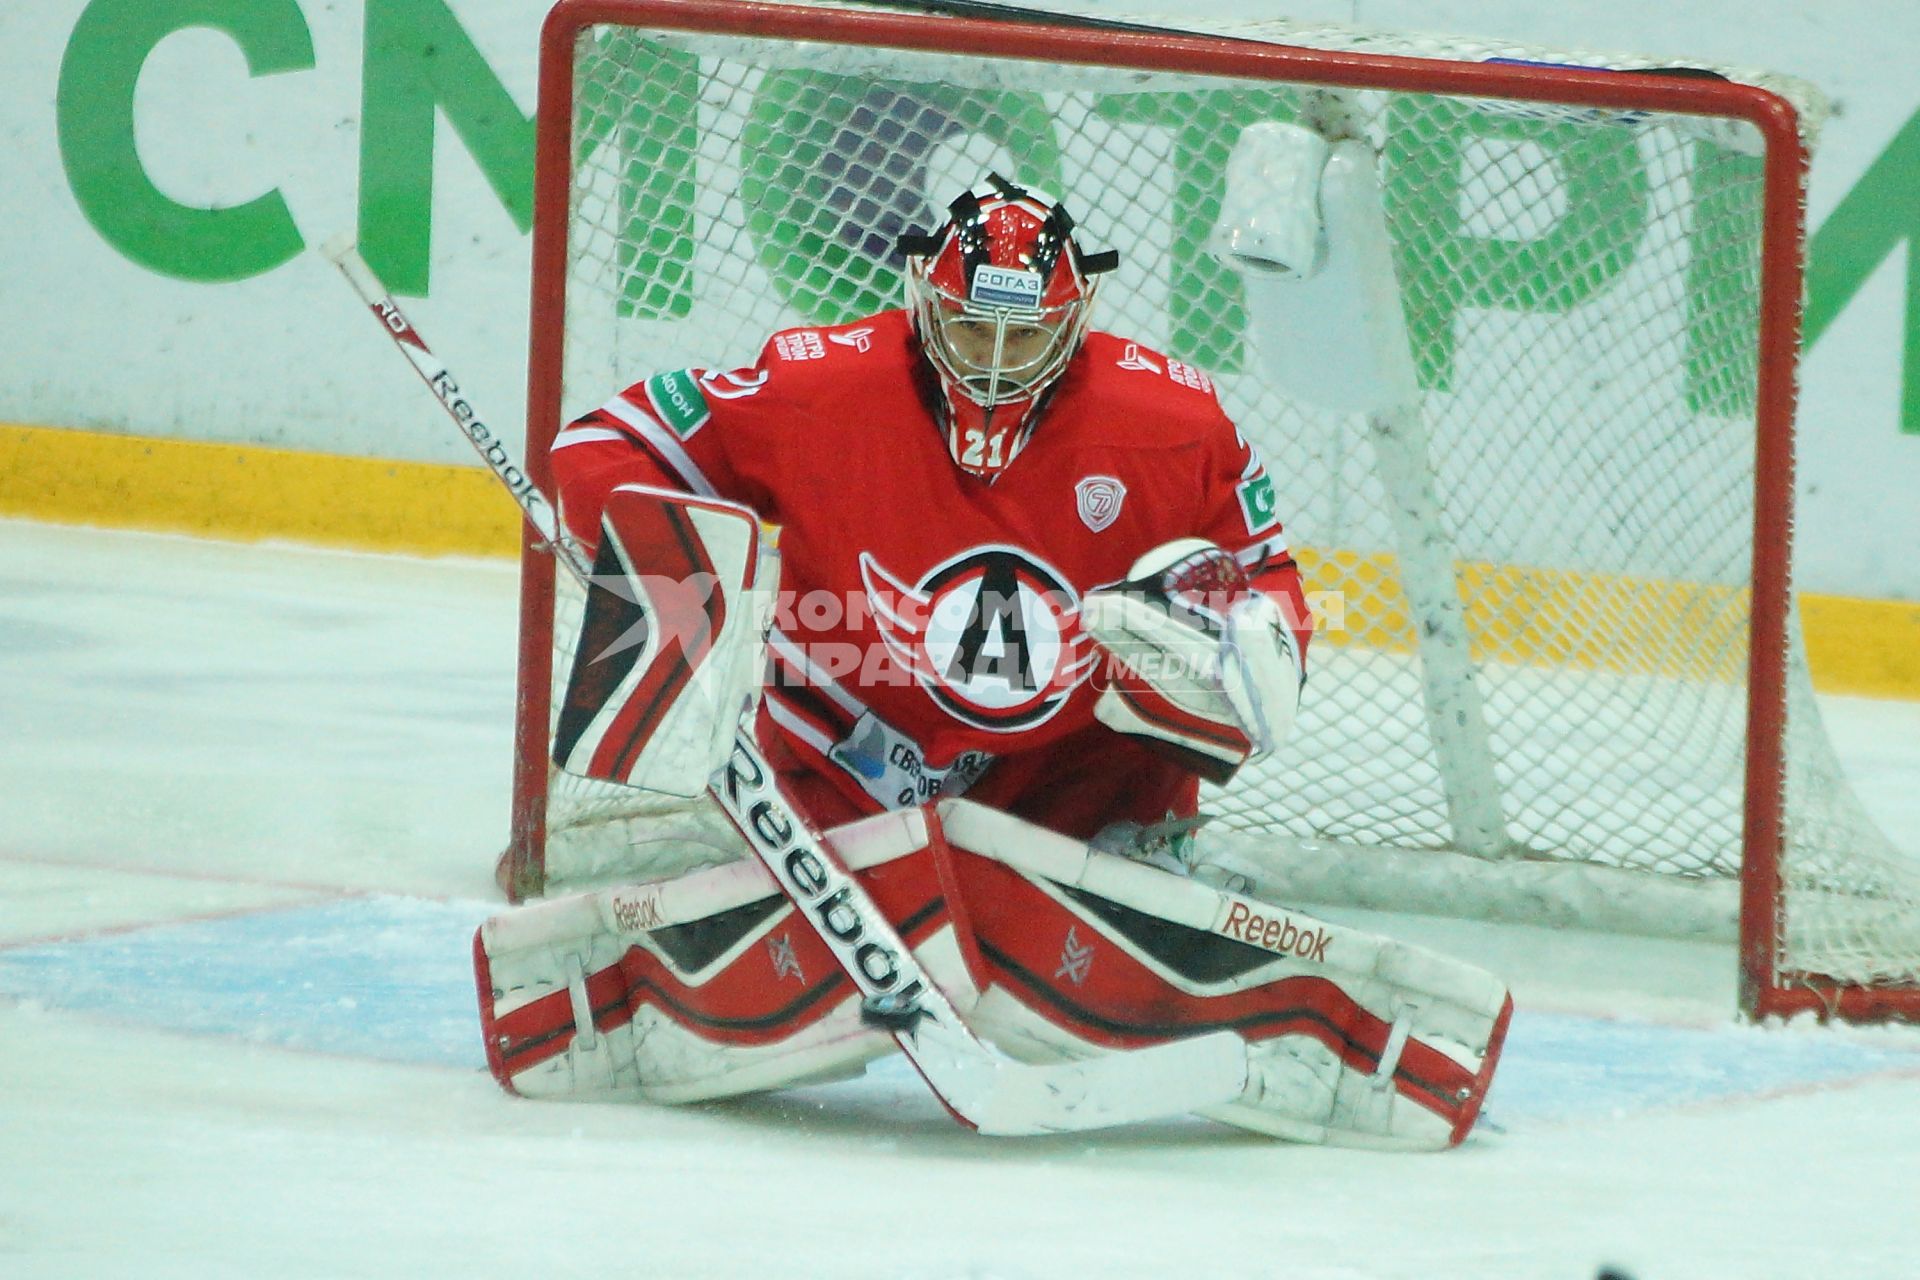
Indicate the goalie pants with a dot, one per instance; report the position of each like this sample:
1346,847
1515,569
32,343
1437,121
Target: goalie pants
1075,787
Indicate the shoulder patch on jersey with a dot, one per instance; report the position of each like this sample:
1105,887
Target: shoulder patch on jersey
1257,502
802,344
1138,359
1189,375
677,401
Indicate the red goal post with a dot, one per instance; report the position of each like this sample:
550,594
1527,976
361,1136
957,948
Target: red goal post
649,114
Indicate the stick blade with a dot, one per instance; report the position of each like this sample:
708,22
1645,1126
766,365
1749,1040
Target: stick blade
1003,1098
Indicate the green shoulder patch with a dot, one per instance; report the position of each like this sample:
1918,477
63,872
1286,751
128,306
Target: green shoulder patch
678,401
1257,503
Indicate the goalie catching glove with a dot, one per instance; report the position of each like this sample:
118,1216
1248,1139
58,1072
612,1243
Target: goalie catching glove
1204,666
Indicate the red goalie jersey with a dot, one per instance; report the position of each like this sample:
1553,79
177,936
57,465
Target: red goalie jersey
927,641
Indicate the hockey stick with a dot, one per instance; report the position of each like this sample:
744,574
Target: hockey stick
340,250
980,1087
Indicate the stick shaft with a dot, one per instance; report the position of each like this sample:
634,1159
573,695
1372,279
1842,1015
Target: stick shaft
486,442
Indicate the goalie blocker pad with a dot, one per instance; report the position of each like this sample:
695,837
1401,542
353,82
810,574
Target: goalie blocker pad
671,640
708,986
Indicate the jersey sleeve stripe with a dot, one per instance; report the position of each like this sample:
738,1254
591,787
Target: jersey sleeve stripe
809,701
796,657
1257,555
586,435
635,415
794,724
662,442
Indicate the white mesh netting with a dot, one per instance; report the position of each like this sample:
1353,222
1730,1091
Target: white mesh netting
1580,287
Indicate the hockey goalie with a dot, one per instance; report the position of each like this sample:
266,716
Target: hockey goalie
1031,590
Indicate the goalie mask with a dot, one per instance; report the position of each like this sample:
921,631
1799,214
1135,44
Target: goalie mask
999,298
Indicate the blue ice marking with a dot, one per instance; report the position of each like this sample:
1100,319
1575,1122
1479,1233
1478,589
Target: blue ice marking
386,977
391,978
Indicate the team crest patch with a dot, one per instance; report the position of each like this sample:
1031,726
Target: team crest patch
993,635
1098,499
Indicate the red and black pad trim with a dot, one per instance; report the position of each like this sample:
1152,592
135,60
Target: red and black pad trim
1198,955
805,698
1231,746
1153,706
490,1036
637,530
1470,1106
692,946
941,854
1312,1007
1200,587
543,1028
754,999
613,634
738,1004
746,1003
1119,1002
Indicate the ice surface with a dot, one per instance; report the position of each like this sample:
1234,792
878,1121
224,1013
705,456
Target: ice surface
249,799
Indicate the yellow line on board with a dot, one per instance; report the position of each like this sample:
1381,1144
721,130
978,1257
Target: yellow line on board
251,492
1617,623
1867,647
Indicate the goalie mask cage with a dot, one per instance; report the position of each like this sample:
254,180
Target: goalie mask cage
1601,713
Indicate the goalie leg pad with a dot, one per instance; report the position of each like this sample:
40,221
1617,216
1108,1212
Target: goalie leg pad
1353,1039
703,987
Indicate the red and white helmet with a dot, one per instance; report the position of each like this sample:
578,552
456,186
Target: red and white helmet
999,298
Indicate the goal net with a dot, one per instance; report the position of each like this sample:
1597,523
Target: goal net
1557,674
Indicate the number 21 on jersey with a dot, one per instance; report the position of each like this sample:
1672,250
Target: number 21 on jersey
982,449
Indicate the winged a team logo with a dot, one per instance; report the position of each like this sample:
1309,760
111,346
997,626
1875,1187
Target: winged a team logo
993,635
